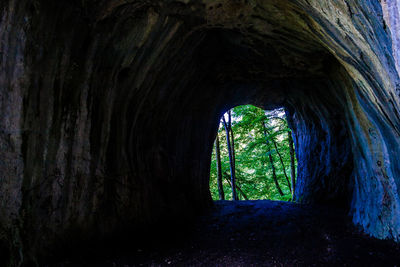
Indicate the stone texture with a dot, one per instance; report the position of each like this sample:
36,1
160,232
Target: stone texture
391,14
110,108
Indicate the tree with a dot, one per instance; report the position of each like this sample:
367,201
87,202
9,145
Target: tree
219,170
237,187
231,162
280,158
292,164
271,161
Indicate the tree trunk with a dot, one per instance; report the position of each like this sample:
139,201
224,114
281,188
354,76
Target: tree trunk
232,145
272,161
292,164
238,188
274,174
232,138
283,165
219,170
232,167
233,148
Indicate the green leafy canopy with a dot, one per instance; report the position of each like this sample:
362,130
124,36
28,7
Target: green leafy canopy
255,132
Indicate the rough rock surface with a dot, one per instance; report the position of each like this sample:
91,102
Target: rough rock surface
391,14
109,109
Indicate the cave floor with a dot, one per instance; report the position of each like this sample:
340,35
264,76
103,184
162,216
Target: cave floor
259,233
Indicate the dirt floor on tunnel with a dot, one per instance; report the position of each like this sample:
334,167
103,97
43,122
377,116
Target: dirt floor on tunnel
257,233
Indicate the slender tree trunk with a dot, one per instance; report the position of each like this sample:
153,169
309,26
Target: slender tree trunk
232,137
233,148
238,188
272,162
219,170
283,165
292,164
232,167
274,174
233,145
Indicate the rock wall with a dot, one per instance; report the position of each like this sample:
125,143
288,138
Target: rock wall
391,14
110,108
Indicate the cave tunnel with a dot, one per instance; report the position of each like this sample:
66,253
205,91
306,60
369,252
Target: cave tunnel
110,109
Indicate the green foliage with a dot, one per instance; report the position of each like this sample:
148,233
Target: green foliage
252,149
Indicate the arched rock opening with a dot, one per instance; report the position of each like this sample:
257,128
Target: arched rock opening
110,108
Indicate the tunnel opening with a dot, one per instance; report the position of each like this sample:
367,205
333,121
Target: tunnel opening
262,155
313,88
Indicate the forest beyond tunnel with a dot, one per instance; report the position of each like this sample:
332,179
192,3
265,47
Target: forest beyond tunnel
110,110
262,156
